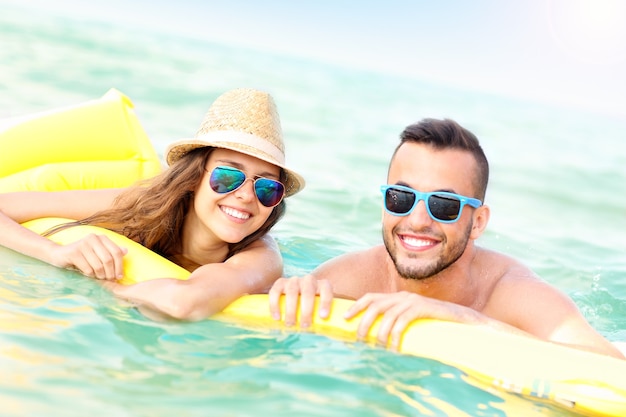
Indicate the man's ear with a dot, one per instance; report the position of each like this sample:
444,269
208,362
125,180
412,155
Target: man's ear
481,218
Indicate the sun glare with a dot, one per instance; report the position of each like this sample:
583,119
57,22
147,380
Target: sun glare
593,31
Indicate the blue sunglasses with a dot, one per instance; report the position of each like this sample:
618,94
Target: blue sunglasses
441,206
225,180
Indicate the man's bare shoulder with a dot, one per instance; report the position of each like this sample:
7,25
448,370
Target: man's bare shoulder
501,270
523,300
352,263
355,273
516,290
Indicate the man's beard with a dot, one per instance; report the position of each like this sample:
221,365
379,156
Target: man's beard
453,253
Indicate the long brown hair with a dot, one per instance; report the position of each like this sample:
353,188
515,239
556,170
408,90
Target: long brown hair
152,212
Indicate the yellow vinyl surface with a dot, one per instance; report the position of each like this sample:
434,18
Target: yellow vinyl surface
97,144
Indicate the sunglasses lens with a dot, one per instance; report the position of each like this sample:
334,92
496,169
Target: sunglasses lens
269,192
399,201
445,208
224,180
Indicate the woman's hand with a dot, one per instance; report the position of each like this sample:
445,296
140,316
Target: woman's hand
94,255
303,290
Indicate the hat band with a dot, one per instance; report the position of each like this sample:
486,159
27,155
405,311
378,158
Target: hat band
247,139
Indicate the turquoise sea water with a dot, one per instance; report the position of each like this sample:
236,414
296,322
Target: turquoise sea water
67,348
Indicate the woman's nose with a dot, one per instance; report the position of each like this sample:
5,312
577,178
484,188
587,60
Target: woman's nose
246,190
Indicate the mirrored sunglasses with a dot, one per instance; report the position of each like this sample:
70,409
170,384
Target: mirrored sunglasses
225,180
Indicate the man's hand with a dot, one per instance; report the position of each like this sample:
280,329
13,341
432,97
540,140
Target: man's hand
302,289
399,309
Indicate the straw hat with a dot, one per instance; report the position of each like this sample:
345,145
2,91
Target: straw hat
246,121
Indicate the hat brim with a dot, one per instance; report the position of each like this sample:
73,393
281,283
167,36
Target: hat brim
294,182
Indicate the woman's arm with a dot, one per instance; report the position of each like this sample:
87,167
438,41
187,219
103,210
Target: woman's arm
94,255
210,288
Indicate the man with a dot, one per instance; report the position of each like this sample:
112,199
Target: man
429,265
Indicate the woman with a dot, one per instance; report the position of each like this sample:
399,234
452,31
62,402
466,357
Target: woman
202,213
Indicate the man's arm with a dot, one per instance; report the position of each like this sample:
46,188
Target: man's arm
519,305
543,311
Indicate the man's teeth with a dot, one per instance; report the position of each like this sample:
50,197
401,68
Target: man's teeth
416,242
236,213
